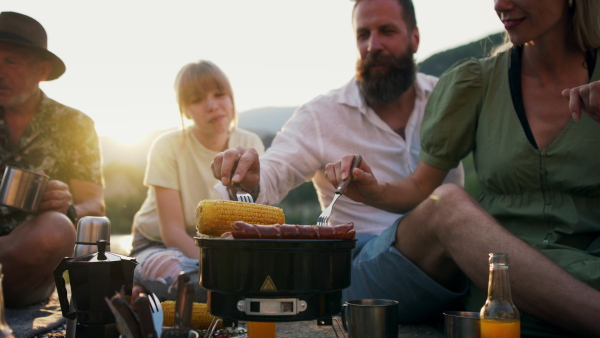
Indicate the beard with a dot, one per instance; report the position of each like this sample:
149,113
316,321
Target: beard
380,88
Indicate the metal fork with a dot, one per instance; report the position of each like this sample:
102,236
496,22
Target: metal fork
341,188
242,195
157,313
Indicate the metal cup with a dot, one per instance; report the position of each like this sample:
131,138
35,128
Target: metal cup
22,189
91,229
375,318
461,324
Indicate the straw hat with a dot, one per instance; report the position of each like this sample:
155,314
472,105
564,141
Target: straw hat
26,31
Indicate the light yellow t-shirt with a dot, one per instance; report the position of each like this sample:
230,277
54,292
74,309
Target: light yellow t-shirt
177,160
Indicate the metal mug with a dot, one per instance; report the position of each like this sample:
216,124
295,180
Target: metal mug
375,318
461,324
22,189
91,229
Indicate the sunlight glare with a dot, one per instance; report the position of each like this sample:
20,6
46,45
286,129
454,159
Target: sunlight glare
125,134
130,138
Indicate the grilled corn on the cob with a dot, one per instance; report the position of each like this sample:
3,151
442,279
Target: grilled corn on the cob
200,317
214,217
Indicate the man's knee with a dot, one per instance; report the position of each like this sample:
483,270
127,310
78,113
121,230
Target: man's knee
451,193
451,197
50,235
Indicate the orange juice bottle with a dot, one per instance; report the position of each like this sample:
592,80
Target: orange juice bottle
261,330
500,328
499,316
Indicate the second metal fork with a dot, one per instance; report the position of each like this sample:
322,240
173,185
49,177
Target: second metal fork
157,313
242,195
341,188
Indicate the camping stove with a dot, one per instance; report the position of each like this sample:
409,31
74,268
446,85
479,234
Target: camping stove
278,280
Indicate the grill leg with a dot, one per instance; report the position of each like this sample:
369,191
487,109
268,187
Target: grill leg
339,325
328,321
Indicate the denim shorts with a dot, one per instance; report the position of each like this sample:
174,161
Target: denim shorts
380,271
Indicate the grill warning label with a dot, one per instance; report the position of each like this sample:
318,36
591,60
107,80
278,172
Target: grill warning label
268,285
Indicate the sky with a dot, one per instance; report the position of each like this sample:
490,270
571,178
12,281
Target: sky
122,55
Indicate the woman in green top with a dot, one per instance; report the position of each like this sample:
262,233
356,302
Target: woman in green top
537,162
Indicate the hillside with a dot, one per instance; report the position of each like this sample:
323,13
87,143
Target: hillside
438,63
265,121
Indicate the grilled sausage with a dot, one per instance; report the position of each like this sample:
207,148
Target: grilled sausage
243,230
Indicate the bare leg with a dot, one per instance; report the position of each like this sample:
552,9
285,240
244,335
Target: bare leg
29,255
456,233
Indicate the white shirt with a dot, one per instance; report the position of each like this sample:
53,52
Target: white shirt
336,124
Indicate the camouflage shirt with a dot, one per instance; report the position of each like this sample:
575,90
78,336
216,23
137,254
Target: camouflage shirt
60,141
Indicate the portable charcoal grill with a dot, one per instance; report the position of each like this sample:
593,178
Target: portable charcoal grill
279,280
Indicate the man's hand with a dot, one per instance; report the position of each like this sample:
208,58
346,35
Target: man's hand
363,187
56,197
584,98
240,165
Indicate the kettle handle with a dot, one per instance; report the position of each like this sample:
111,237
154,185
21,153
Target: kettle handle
62,289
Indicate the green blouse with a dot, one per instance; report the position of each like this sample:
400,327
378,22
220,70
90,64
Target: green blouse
549,195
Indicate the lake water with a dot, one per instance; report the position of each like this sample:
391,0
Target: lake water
120,244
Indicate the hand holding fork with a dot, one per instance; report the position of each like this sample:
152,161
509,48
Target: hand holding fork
341,188
242,164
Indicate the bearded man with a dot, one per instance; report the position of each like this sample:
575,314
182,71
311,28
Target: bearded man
378,115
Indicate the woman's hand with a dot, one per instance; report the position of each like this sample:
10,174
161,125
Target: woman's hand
363,186
399,196
586,98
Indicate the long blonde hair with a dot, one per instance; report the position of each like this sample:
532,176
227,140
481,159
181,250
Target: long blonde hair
584,16
585,24
197,79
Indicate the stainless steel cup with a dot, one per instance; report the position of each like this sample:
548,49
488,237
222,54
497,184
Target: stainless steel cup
374,318
91,229
22,189
461,324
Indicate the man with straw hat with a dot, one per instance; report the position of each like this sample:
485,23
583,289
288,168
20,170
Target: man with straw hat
41,135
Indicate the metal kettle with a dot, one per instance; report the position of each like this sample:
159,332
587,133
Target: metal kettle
93,277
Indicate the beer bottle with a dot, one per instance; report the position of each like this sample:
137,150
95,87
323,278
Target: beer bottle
499,317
